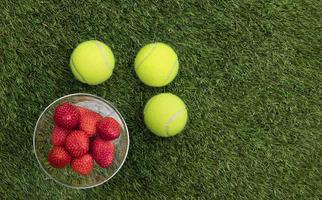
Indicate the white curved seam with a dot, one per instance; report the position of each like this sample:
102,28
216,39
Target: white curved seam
172,118
101,50
172,70
76,70
146,56
147,106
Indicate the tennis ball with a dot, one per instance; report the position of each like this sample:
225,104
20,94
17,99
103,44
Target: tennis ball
156,64
92,62
165,115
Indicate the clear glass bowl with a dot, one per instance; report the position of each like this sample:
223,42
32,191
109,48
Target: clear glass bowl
66,176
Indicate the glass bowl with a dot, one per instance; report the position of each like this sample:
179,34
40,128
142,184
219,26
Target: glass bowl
66,176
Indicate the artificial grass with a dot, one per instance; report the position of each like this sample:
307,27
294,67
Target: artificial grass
250,75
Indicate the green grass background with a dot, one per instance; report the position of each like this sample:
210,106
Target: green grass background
250,75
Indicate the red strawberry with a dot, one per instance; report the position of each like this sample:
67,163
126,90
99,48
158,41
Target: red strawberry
88,122
108,128
83,165
77,143
58,157
58,136
102,152
83,110
66,116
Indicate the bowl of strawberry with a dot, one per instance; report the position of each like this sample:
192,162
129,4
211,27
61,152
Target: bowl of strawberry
81,140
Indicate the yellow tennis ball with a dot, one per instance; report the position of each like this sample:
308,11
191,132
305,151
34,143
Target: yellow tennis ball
156,64
165,115
92,62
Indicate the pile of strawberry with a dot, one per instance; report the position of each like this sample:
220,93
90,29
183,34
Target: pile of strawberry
81,136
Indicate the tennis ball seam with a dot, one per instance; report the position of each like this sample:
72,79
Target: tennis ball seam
147,106
147,55
172,118
76,70
176,62
101,50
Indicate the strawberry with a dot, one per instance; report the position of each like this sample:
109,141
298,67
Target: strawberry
58,157
66,116
88,122
102,152
83,165
83,110
108,128
58,136
77,143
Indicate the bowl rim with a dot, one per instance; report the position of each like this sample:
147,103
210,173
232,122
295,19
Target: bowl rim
101,99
